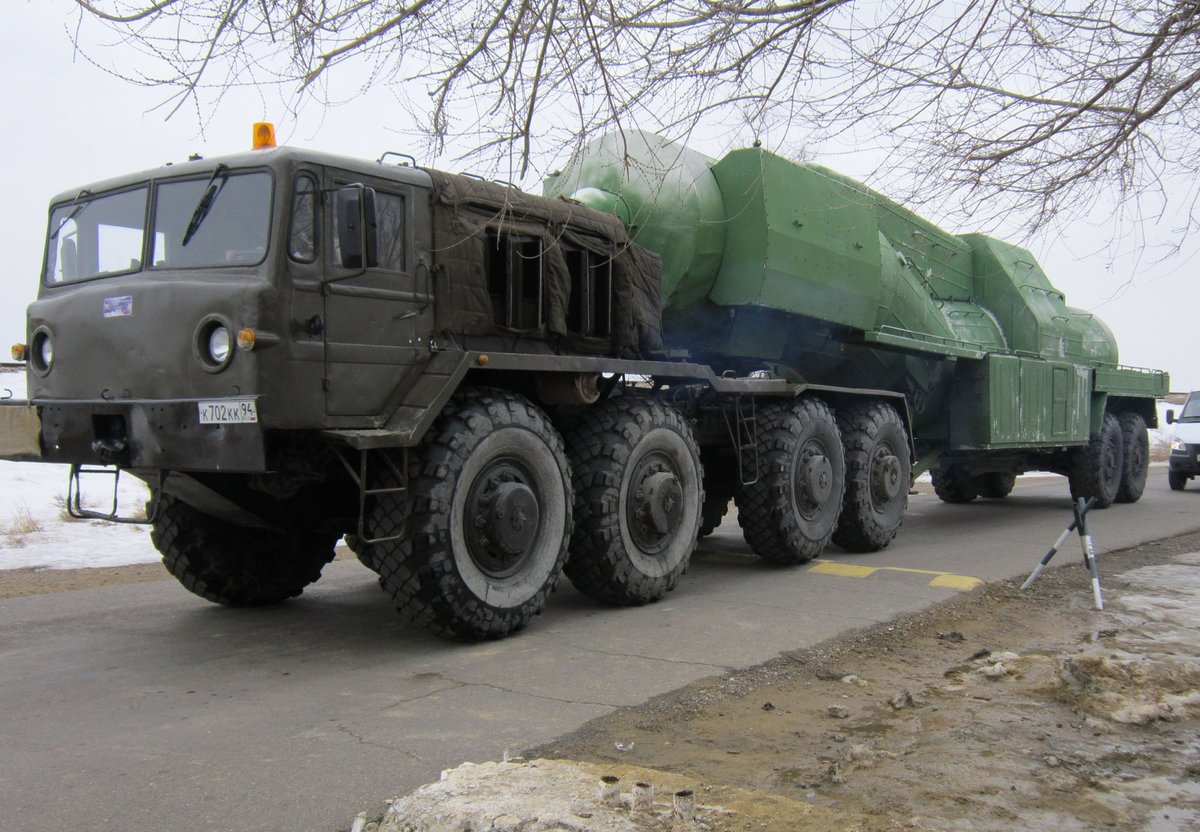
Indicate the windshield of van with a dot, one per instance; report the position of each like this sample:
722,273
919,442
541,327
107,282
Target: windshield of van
99,236
1191,410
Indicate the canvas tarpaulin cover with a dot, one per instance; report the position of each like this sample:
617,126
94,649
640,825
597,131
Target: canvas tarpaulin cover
465,210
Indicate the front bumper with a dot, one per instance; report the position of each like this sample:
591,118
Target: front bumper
1186,461
152,434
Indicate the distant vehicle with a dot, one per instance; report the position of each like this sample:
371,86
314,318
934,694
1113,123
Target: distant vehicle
1184,462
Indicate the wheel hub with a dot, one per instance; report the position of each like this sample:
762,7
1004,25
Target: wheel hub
664,498
816,478
655,504
885,477
503,514
513,518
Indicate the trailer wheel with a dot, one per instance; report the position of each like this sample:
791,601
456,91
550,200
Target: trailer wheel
489,517
719,484
878,474
234,565
1098,466
1177,481
996,485
955,484
789,514
713,512
1136,442
638,490
362,551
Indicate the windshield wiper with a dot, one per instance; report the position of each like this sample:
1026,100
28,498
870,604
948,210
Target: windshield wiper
75,212
211,189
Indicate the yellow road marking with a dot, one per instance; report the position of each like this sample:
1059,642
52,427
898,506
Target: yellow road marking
844,570
959,582
941,580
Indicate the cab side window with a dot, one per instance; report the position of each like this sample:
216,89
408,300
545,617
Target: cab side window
390,230
302,239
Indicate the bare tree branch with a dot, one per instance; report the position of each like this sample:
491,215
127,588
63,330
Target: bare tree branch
1029,106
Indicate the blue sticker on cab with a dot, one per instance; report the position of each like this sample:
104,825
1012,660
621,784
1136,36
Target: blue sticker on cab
118,307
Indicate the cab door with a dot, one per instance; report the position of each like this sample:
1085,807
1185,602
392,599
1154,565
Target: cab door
378,307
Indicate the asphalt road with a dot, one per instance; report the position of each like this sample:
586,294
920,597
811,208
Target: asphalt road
142,707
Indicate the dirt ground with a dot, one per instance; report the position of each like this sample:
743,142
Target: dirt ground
999,710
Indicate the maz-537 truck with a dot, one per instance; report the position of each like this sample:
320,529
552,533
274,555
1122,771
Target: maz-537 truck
480,387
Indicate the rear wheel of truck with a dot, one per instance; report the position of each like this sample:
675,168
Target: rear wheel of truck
1097,467
996,485
955,484
1177,481
878,475
235,565
1136,442
488,519
638,490
789,514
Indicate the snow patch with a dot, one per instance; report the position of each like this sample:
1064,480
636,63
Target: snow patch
36,531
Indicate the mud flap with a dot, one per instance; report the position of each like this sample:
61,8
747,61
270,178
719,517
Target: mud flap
20,431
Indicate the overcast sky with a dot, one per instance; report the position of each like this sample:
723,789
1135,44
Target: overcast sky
67,123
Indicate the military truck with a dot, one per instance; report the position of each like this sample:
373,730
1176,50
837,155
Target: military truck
480,387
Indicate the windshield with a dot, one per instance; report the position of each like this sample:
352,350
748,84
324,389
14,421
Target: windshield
1191,410
107,235
233,230
101,236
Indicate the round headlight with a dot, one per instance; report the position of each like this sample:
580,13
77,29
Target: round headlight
220,343
41,352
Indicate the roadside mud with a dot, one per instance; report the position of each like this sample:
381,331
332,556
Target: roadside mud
999,710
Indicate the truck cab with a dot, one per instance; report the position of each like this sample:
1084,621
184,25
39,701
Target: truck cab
186,312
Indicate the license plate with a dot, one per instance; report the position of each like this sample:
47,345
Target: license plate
228,412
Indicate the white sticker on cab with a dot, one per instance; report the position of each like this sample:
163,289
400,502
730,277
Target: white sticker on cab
118,307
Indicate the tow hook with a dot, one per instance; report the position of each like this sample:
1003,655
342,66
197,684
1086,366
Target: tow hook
110,451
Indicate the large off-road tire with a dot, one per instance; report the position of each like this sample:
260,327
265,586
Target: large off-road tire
638,491
789,514
955,484
1097,467
996,485
489,518
1177,481
720,481
1136,442
878,475
234,565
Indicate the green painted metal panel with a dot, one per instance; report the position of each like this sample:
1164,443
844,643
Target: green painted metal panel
1010,283
1132,381
1060,401
1013,401
796,240
803,239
